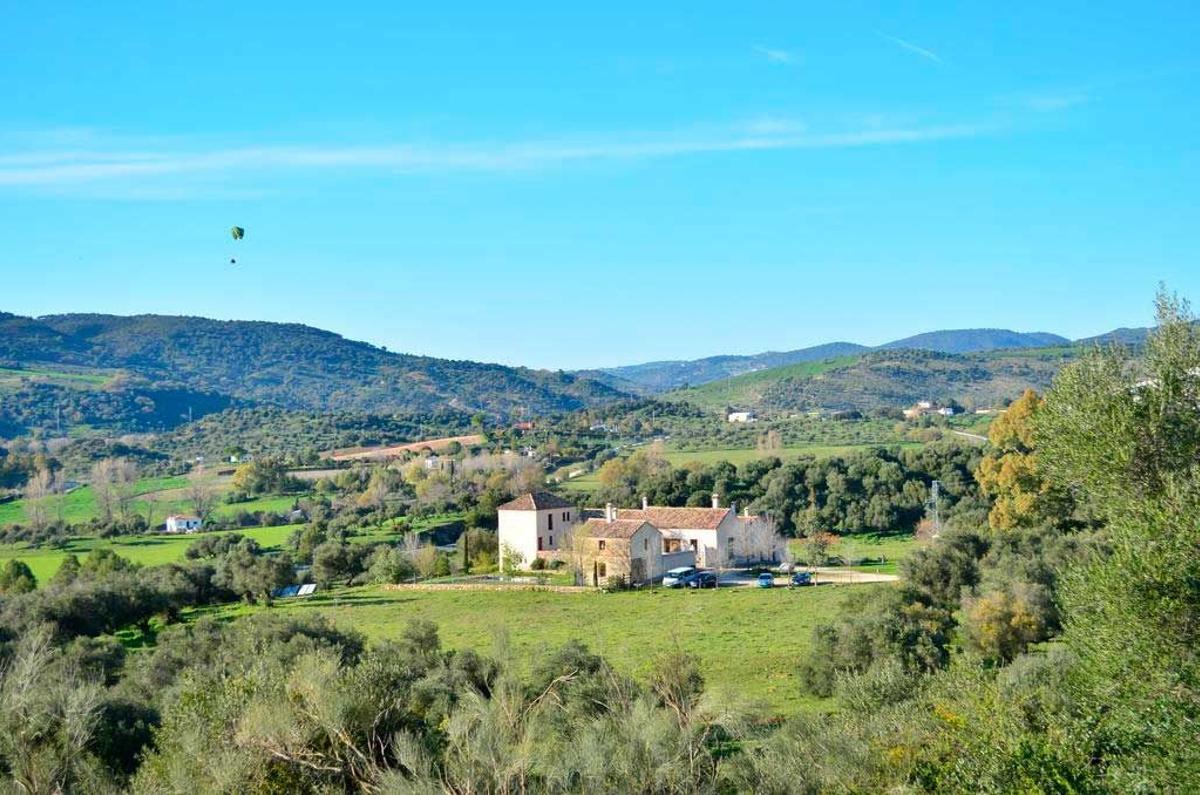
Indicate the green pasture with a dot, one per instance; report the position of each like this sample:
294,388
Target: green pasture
10,376
151,550
749,640
148,550
892,547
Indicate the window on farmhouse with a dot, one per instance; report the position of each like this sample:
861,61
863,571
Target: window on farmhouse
602,543
550,521
539,543
645,543
550,541
601,570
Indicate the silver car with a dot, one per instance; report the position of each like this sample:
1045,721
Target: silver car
675,577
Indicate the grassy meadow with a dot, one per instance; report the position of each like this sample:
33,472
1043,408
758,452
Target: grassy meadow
10,376
152,550
892,547
148,550
749,640
160,497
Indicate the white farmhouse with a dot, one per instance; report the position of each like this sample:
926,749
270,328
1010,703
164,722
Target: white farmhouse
533,523
741,416
639,544
714,535
183,524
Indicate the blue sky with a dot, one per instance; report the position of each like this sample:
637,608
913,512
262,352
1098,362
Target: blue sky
567,187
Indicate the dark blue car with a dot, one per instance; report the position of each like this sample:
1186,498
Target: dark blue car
802,578
703,579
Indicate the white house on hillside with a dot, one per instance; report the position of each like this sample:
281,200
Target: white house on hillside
183,524
741,416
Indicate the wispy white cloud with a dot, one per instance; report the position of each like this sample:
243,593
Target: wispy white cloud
168,166
774,125
913,48
1057,101
775,54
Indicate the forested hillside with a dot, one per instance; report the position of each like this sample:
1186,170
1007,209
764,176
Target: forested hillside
883,379
654,377
976,340
286,365
657,377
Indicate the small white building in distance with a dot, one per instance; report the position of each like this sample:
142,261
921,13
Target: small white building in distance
183,524
741,416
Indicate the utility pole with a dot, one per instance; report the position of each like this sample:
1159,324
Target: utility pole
931,507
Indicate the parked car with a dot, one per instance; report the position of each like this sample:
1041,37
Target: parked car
703,579
801,578
766,580
675,578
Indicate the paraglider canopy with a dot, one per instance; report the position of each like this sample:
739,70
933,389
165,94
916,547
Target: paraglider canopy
237,233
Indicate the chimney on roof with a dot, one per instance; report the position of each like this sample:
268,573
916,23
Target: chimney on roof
716,500
645,503
609,512
733,507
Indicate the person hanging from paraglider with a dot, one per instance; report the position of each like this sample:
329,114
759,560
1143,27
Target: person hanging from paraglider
237,233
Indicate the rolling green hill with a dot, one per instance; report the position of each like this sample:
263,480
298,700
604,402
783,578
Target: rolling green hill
885,378
749,390
653,378
211,365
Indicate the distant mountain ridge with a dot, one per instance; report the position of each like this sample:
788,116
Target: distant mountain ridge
975,340
655,377
288,365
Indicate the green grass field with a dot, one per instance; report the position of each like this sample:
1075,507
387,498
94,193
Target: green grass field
749,641
151,550
147,550
80,504
166,493
893,547
12,377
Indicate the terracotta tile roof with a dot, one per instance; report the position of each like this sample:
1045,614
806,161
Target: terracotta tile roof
618,528
536,501
677,518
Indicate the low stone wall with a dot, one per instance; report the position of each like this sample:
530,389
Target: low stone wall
486,586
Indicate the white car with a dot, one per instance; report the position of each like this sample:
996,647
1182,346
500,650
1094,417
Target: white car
675,577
